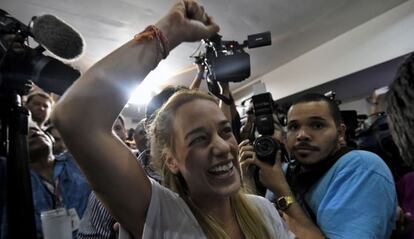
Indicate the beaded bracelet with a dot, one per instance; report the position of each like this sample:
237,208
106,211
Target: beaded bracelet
149,33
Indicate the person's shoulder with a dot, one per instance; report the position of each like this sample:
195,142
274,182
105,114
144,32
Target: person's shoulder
158,189
257,199
260,202
65,157
270,215
361,158
358,161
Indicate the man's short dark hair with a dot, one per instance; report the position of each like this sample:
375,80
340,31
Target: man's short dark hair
400,109
333,106
158,100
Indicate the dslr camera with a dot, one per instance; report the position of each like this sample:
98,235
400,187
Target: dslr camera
265,145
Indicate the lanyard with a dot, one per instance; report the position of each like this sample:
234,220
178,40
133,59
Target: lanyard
54,192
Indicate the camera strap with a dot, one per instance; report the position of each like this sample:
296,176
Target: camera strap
53,189
214,89
301,178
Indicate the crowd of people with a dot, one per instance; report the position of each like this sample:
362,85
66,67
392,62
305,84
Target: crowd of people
189,169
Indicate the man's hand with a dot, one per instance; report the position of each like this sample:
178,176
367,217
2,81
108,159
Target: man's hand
271,176
404,222
246,154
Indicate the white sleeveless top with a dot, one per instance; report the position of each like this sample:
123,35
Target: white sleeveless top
169,217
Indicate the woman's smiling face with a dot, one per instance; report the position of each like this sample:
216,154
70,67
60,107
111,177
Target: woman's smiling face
205,150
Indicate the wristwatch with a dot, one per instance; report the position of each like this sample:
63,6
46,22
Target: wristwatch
284,202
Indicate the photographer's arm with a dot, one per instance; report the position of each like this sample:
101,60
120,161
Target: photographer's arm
195,85
246,129
87,111
246,152
274,179
226,108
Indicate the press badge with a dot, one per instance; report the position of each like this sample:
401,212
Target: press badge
59,223
74,219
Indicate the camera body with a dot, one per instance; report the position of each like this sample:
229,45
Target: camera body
265,145
227,61
22,65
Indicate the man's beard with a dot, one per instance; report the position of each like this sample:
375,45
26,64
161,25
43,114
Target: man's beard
335,147
332,151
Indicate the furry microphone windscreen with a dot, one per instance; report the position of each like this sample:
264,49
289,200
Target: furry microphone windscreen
58,37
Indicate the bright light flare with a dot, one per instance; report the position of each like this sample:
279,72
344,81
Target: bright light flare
148,88
143,93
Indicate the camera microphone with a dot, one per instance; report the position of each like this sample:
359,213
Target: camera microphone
57,37
22,63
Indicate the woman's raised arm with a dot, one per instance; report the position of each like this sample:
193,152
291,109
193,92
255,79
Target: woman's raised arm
85,114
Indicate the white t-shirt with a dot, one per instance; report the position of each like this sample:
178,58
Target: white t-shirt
169,217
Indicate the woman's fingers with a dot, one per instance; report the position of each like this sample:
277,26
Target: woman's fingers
187,21
199,21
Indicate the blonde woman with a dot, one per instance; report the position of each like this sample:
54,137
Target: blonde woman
191,137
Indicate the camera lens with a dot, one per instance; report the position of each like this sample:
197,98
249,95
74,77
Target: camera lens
265,146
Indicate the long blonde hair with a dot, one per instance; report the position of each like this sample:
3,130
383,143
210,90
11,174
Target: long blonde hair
162,142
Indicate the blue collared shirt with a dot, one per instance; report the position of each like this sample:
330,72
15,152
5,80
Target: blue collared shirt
73,189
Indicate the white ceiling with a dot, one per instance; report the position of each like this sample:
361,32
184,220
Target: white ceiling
297,26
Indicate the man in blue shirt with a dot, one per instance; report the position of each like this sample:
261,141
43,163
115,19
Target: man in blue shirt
330,191
56,181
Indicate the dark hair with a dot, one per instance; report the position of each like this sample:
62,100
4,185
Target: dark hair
400,109
333,107
158,100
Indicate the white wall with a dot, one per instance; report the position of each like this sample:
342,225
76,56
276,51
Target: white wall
383,38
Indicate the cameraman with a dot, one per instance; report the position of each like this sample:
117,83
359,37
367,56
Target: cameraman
330,191
40,106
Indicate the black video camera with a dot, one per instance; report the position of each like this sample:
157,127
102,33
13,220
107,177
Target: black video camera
226,61
265,145
20,64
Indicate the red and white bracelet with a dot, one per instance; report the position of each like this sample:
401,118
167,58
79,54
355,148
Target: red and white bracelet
152,32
